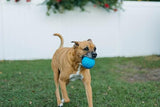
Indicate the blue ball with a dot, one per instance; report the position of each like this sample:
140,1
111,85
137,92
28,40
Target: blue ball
88,62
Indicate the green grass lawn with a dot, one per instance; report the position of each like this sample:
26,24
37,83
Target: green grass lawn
116,82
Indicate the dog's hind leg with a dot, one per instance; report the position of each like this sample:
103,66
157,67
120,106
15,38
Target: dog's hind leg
56,80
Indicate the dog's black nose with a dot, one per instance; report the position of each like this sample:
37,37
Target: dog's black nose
94,54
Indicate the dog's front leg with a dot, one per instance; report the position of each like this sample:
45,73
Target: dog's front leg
64,91
88,93
88,88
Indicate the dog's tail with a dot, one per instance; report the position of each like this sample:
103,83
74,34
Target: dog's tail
61,38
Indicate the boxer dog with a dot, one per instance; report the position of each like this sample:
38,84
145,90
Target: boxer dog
66,61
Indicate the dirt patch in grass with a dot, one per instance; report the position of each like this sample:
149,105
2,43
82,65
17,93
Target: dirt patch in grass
153,58
143,75
140,72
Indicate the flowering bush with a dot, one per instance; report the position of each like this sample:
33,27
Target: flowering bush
62,5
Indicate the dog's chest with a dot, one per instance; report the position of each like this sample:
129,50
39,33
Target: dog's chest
76,76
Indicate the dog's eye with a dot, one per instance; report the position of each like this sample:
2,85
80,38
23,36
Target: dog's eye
95,48
86,48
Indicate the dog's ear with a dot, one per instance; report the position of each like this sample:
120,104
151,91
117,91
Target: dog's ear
89,40
76,44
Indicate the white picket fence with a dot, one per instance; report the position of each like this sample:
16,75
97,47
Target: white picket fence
26,31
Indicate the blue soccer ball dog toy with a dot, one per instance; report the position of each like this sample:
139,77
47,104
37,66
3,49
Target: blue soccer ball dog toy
88,62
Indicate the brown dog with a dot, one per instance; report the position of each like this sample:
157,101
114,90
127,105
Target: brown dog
65,62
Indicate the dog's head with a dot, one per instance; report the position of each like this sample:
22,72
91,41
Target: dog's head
85,48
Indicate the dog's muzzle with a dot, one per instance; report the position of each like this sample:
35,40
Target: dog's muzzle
94,54
91,55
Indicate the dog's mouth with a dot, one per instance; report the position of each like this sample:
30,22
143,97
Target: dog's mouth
92,55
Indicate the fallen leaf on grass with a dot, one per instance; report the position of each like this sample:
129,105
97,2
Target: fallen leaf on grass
72,86
105,93
33,91
109,88
30,102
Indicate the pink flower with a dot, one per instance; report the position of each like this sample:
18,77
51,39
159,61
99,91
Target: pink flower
106,5
16,0
28,0
58,0
115,10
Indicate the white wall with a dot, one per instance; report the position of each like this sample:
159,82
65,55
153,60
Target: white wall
26,31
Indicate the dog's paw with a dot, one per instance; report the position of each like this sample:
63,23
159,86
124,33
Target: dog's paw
61,105
67,100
